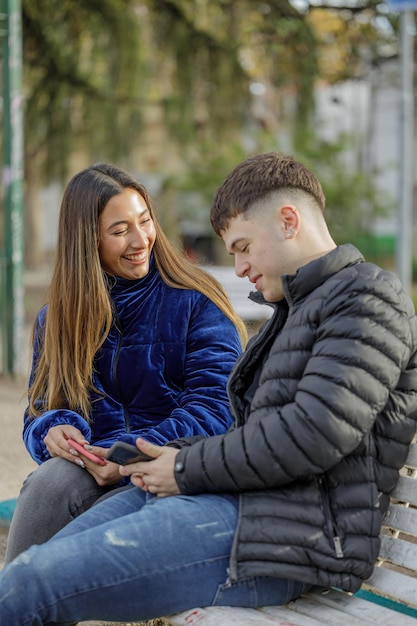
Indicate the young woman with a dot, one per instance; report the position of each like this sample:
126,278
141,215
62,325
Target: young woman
135,341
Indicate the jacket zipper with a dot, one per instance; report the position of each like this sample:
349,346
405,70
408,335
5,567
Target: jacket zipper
330,520
115,378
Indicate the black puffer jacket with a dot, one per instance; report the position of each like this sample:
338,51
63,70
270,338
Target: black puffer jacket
317,452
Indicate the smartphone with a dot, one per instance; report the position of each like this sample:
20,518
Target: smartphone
124,454
93,457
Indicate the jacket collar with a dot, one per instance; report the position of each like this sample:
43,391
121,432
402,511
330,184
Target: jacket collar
121,285
310,276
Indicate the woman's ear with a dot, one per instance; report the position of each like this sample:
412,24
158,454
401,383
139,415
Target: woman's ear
290,221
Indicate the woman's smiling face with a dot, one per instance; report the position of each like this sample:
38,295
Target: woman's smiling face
127,235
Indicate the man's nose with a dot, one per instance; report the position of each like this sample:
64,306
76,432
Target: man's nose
241,267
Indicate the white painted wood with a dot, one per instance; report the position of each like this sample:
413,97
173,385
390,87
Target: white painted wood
364,610
399,552
228,616
412,457
402,518
393,585
309,606
406,490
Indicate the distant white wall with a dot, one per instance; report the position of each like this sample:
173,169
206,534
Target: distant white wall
238,290
369,110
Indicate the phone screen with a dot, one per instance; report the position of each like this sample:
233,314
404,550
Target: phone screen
124,454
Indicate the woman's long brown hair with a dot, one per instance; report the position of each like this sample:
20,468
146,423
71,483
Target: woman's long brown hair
79,314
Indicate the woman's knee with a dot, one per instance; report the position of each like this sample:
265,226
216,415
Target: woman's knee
55,476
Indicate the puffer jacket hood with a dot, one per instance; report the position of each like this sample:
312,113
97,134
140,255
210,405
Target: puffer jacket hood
317,450
160,374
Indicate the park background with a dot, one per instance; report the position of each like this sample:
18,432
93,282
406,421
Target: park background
178,92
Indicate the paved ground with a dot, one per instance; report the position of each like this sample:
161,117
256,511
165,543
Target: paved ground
15,463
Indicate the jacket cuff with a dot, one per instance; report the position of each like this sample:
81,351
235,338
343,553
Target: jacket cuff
38,428
184,442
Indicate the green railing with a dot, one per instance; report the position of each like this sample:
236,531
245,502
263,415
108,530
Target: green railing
11,263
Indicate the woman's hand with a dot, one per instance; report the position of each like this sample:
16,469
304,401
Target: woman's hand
56,440
57,444
104,475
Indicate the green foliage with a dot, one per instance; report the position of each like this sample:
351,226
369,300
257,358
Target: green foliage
94,68
352,199
96,72
79,59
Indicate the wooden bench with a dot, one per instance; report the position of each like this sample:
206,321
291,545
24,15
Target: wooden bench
388,598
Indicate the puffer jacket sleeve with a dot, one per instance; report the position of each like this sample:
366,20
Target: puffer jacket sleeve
213,345
361,360
36,428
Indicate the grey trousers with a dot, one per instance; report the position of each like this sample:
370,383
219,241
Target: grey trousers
51,496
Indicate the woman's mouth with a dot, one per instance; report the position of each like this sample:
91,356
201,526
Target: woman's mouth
136,258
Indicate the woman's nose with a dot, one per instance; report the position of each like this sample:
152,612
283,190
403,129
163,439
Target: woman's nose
139,239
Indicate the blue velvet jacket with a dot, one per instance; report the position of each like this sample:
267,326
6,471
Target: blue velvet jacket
162,370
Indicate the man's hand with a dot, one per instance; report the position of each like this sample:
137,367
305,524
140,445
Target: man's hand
155,476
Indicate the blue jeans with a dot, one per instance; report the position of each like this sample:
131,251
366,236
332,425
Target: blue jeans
134,557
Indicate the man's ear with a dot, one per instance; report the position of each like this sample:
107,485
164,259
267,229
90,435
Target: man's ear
290,220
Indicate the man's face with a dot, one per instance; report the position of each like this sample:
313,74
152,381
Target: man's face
261,252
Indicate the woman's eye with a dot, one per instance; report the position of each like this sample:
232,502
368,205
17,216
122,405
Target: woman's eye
149,219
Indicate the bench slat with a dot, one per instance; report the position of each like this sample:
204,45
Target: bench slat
400,517
393,585
374,613
412,456
312,606
228,616
399,552
296,614
332,608
406,491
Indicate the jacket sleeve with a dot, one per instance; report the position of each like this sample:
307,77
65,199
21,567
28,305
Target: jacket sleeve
362,368
213,346
36,428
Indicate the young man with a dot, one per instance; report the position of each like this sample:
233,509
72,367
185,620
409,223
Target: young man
325,404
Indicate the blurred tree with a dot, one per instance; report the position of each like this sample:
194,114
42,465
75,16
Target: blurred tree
350,38
79,86
93,69
82,78
197,77
93,66
353,201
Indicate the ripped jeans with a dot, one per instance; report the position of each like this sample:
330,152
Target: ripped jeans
134,557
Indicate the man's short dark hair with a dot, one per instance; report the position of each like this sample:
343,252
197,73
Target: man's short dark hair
255,178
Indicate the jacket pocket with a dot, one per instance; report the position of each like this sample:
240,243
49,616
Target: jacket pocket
330,520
